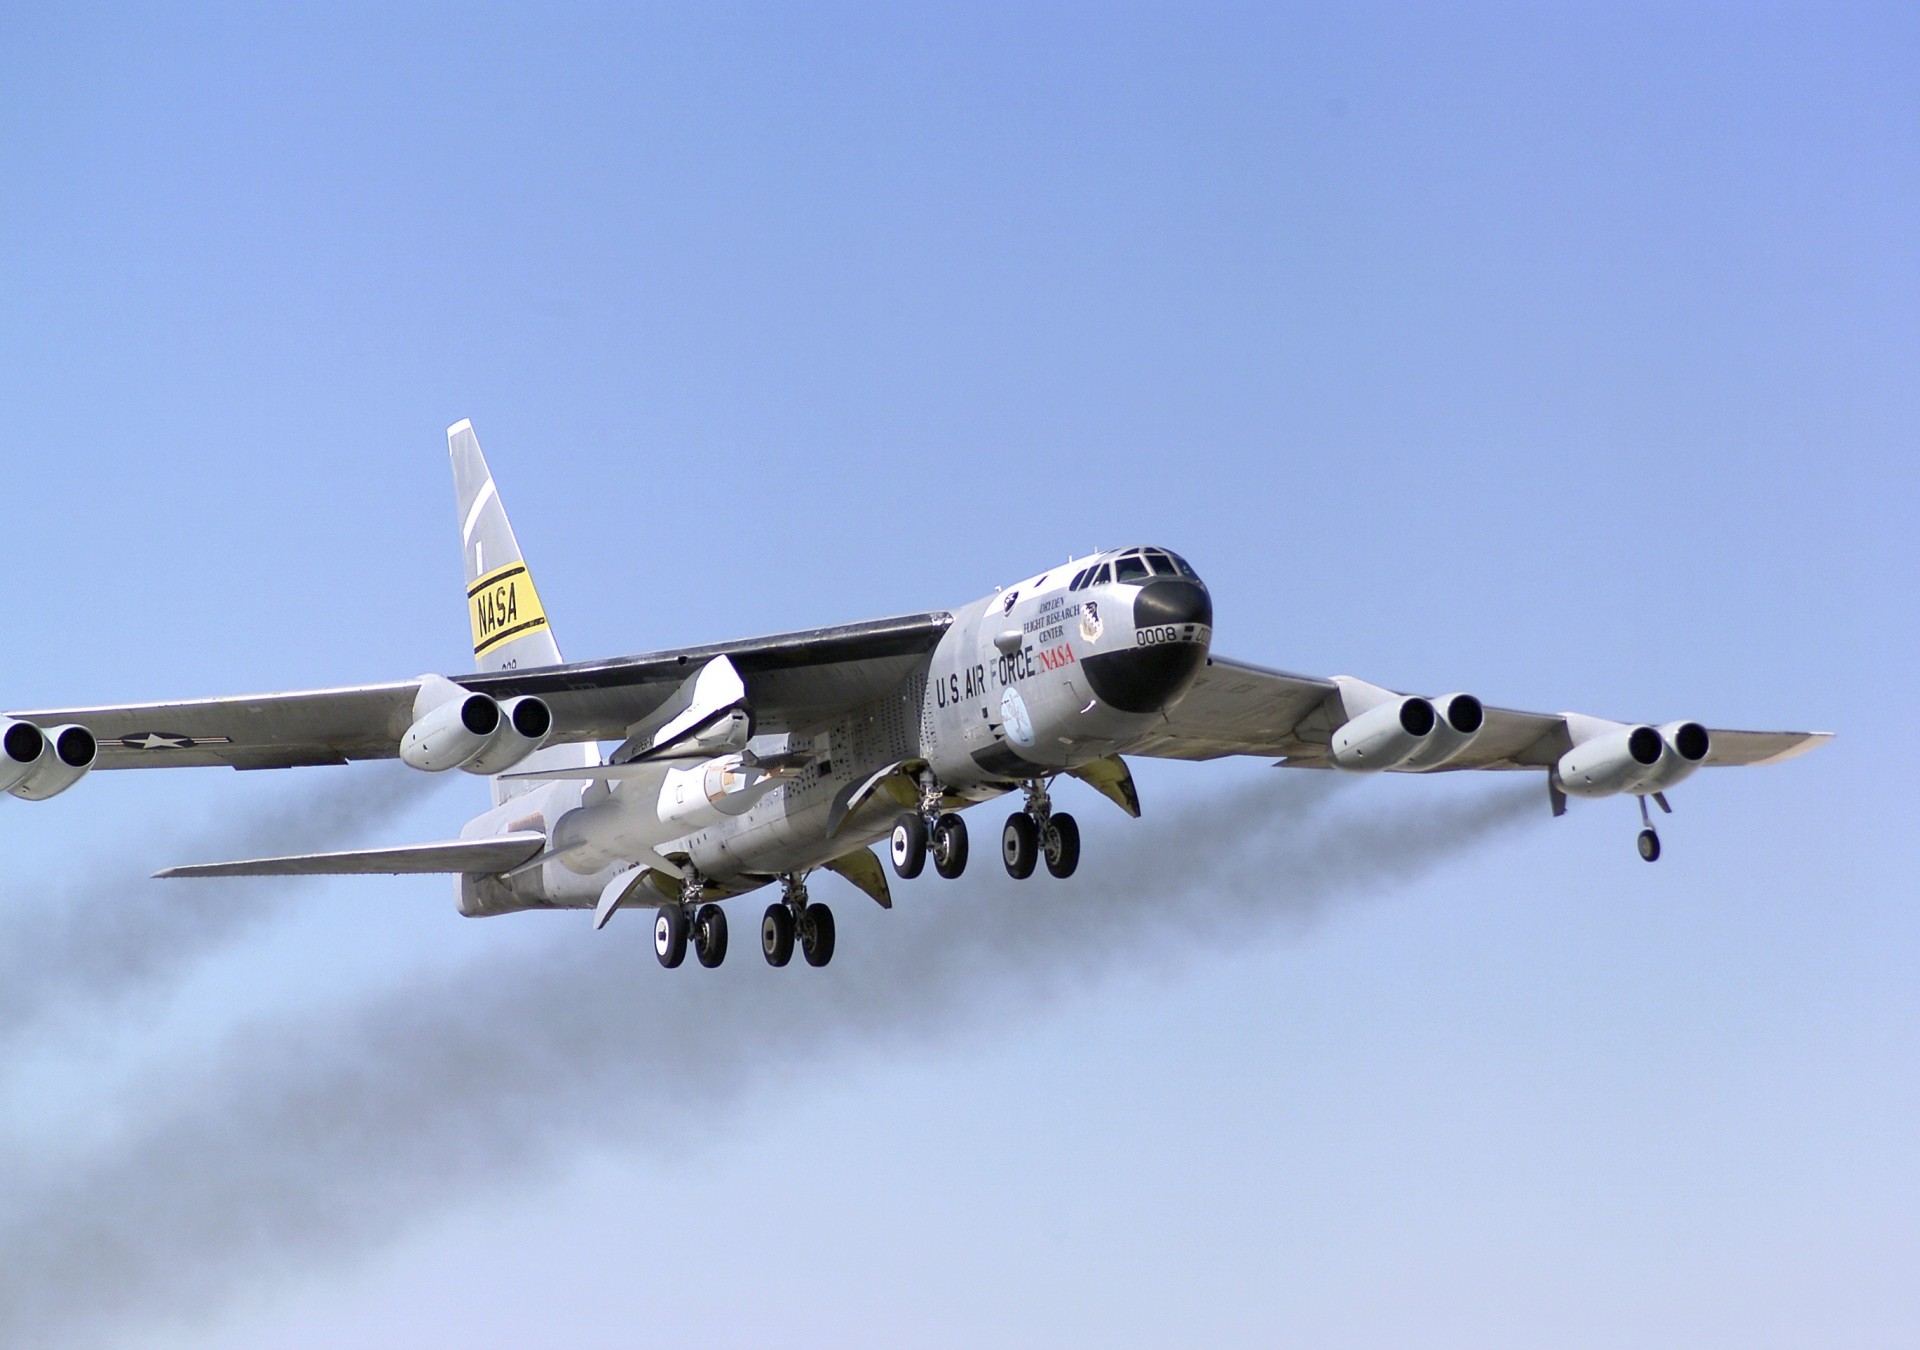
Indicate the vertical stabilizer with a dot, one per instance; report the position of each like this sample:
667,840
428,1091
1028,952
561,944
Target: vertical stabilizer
509,625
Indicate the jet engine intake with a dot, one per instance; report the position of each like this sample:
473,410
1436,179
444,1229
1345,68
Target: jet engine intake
450,734
1384,736
525,724
21,745
1640,760
1683,748
1458,721
66,753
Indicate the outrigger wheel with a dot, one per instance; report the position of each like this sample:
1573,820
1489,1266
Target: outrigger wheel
909,844
1649,842
949,846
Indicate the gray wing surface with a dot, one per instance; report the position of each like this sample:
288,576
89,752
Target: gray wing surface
793,680
484,856
1235,708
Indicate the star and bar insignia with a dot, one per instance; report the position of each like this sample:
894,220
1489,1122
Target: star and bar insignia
160,740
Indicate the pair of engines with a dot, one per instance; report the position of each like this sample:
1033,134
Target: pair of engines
1405,731
37,763
455,728
1640,760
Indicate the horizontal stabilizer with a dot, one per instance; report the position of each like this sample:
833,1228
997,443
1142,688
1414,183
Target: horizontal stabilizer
479,856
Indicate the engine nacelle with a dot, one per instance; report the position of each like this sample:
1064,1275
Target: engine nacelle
1458,719
66,753
525,724
1683,748
1640,760
1384,736
452,732
21,745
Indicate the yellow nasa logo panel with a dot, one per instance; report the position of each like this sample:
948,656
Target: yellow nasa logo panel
503,605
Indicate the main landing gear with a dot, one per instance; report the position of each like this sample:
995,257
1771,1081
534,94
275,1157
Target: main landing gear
1039,832
690,923
913,838
792,919
1031,834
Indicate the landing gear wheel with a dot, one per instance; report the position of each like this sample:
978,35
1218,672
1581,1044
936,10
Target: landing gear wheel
816,935
1020,845
909,845
776,935
949,846
1062,840
710,935
670,935
1649,845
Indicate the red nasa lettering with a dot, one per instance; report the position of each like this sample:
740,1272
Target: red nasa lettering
1053,658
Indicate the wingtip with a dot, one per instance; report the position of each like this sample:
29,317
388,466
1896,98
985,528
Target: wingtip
464,424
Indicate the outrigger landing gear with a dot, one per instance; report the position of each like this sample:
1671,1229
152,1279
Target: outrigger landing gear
1649,840
792,918
1038,832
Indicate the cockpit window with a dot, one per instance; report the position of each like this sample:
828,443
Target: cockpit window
1079,579
1103,576
1130,567
1161,564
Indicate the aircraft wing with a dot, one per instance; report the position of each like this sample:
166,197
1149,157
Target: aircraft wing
793,681
481,856
1234,708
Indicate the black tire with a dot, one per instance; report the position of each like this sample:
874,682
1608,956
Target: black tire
816,935
1020,845
909,845
670,935
776,934
1062,845
949,846
710,936
1649,844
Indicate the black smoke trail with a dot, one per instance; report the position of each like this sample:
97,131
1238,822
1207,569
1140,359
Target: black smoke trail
116,932
317,1140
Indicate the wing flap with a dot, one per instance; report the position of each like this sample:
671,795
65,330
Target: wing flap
477,856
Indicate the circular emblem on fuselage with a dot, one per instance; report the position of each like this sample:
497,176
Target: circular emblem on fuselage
1014,719
1090,626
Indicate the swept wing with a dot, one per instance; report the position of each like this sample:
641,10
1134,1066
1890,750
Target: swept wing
1235,708
794,680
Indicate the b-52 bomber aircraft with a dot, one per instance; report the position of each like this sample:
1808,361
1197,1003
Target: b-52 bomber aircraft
744,764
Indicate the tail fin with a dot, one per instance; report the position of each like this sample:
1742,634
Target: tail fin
510,628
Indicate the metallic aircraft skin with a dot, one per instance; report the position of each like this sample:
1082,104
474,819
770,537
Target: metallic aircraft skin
747,763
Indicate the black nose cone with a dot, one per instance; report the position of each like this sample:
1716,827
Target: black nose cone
1167,602
1173,626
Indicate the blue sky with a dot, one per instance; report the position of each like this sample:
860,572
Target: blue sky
1565,357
